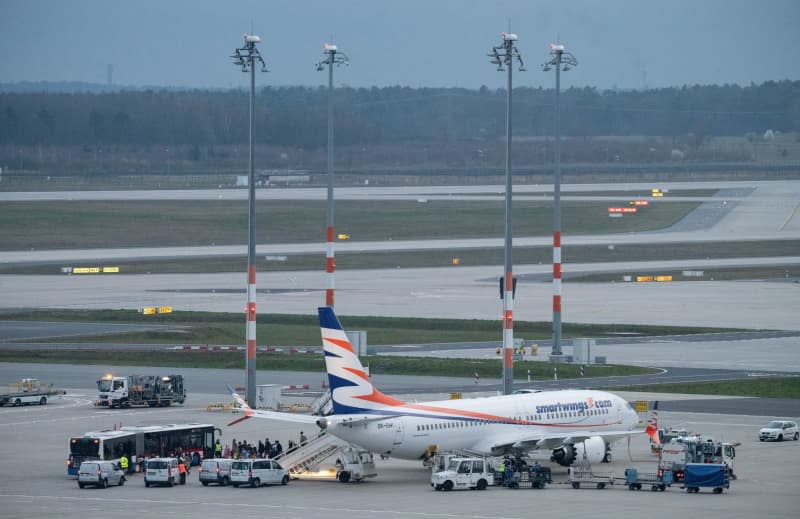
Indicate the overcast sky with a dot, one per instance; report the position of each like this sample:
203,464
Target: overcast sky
187,43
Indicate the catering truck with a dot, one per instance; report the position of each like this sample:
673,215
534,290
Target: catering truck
140,390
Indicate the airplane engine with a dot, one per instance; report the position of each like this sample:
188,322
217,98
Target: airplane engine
594,449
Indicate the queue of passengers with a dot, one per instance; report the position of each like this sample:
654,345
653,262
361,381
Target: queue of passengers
244,450
264,449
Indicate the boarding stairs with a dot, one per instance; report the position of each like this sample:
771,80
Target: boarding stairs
307,456
322,405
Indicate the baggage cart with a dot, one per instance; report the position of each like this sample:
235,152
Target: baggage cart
583,476
529,477
635,480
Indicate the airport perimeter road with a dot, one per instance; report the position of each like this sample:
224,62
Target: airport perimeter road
36,447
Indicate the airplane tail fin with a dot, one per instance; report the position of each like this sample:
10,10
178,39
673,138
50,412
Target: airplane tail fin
352,390
652,424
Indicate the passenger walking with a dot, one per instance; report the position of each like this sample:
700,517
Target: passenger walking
303,438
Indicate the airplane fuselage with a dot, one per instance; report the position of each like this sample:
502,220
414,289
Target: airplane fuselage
411,430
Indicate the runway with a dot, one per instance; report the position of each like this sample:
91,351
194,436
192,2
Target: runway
766,210
38,435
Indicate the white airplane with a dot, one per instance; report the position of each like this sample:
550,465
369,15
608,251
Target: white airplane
566,422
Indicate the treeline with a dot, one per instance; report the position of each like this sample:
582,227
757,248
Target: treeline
297,117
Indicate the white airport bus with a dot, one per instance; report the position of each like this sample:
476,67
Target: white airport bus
141,442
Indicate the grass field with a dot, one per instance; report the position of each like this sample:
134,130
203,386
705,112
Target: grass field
768,387
313,362
303,330
90,224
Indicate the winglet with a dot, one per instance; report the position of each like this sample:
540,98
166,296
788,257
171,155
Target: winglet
247,411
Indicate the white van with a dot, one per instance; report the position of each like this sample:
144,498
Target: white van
215,470
100,474
161,471
257,472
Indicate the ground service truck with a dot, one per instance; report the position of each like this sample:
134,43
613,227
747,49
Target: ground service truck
464,473
139,390
28,391
680,452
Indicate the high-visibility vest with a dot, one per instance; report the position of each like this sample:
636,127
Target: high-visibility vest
123,462
217,447
181,468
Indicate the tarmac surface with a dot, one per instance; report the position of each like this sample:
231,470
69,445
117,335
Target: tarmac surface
39,487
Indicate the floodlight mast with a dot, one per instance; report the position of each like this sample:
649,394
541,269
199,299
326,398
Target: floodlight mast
505,54
560,59
332,57
247,57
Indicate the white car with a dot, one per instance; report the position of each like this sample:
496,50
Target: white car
257,472
779,430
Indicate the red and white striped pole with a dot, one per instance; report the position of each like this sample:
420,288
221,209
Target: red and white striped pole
332,57
330,264
556,292
251,260
507,287
561,60
508,326
251,332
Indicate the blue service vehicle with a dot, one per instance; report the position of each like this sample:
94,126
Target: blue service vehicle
711,475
